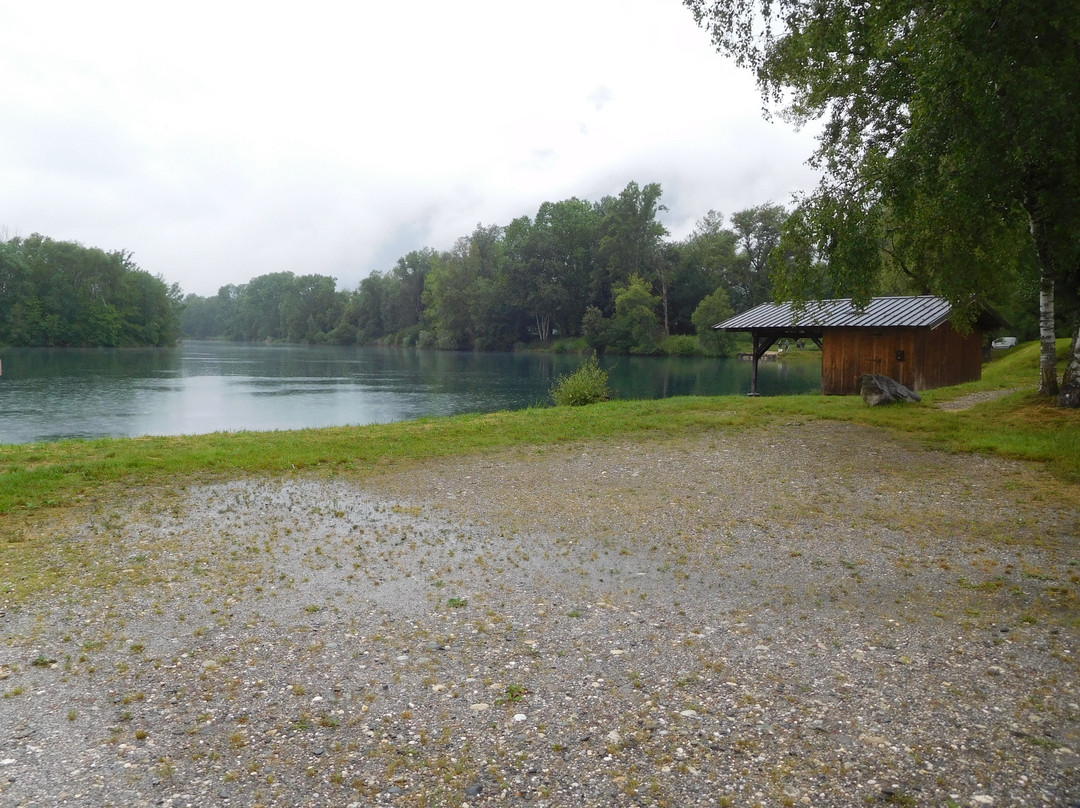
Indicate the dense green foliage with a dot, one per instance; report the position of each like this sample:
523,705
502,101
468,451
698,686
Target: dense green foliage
602,271
950,145
713,309
275,307
59,293
586,385
597,275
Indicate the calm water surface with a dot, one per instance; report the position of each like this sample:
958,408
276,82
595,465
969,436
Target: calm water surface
50,394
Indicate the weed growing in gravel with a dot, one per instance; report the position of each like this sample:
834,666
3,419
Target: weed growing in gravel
513,694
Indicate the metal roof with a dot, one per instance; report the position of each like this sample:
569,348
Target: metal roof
925,311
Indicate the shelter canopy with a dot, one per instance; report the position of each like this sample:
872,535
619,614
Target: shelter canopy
770,322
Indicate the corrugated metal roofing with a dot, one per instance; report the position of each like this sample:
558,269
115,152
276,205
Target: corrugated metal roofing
925,311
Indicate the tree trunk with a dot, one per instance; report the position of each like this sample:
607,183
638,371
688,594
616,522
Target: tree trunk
1070,384
1048,385
664,296
543,327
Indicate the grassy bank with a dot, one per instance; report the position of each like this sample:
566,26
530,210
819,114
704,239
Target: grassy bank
1018,425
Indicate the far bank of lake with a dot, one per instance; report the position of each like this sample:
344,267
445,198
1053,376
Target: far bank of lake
201,387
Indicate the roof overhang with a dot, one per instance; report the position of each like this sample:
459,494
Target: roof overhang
812,319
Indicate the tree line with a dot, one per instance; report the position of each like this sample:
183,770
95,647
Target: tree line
603,275
61,294
602,272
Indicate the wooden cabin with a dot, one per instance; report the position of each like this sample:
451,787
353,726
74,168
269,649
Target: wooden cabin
911,339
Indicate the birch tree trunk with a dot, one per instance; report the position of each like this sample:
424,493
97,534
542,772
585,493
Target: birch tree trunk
664,297
1070,384
543,327
1048,385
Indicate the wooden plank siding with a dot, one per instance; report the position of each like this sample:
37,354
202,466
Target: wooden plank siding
947,357
848,353
931,357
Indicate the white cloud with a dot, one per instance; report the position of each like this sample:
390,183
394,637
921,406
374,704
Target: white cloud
222,141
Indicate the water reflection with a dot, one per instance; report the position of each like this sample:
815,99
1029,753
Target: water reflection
36,363
49,394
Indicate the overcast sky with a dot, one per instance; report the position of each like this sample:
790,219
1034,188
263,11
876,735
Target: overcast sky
221,141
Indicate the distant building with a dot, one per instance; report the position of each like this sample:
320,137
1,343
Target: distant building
910,339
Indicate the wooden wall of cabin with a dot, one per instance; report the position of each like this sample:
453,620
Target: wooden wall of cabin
919,359
849,353
947,357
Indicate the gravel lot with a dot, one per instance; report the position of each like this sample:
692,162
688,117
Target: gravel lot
820,615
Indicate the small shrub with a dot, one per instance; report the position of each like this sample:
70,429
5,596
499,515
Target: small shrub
586,385
681,345
568,345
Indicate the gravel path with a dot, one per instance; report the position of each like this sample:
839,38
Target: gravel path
821,615
966,402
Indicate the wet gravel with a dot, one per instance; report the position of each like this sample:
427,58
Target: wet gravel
821,615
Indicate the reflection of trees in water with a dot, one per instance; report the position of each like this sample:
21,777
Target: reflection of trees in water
211,386
663,377
30,363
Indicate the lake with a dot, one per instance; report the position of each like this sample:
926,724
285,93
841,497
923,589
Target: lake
49,394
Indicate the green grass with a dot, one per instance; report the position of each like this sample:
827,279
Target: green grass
42,476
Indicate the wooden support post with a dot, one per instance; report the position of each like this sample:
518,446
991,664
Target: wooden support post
762,343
